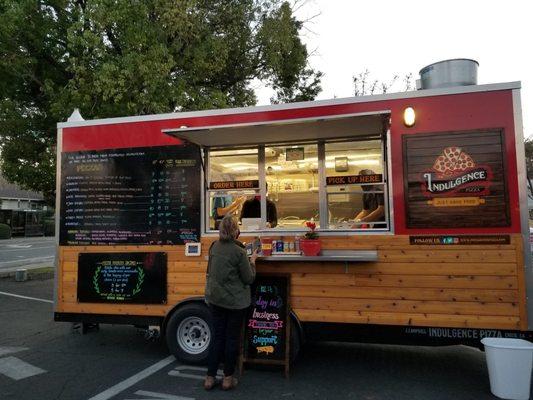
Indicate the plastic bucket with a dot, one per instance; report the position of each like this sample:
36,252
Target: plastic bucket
509,362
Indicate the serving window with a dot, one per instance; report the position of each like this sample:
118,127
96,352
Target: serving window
292,184
355,180
339,185
233,178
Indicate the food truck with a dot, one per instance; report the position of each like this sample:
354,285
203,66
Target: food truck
445,258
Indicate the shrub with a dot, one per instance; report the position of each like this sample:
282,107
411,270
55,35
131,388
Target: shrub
5,231
49,227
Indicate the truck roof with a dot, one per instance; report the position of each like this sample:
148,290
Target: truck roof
299,105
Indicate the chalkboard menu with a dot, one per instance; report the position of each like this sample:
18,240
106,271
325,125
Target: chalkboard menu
131,196
456,180
122,278
268,322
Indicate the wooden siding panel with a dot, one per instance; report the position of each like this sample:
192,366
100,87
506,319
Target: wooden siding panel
444,286
448,295
405,306
388,268
408,281
440,320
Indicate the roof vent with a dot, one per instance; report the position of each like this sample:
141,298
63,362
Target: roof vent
75,116
448,73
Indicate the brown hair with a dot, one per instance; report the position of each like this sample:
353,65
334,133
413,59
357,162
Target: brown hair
228,229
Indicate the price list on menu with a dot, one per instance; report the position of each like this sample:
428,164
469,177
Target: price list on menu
131,196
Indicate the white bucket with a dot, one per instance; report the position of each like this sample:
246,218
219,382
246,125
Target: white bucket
509,362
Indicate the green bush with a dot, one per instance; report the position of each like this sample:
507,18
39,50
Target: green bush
5,231
49,227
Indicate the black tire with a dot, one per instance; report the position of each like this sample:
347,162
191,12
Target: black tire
193,323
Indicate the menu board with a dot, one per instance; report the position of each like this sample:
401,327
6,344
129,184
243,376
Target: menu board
268,321
122,278
455,180
131,196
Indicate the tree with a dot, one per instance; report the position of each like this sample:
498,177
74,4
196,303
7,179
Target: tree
129,57
528,144
363,85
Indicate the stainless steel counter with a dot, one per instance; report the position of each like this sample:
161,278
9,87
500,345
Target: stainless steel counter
328,256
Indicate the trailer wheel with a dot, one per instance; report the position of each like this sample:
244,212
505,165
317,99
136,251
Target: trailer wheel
188,333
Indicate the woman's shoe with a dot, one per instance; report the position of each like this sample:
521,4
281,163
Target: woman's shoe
229,382
209,382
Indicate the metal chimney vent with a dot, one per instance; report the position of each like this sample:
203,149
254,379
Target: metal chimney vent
448,73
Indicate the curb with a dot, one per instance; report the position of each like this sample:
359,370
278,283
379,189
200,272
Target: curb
37,275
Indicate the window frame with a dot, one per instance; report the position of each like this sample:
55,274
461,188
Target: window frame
322,190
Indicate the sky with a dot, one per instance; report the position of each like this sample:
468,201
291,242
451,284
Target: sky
388,37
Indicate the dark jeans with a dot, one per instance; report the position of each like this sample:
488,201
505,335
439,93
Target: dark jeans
227,325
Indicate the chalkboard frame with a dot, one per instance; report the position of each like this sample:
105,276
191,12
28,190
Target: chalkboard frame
157,279
245,357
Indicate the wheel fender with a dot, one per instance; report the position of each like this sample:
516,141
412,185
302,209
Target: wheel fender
299,325
189,300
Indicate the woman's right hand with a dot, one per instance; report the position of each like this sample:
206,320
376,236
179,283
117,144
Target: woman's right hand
254,256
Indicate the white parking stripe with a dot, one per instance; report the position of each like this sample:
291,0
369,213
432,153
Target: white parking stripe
26,297
8,350
159,396
16,369
27,248
33,260
119,387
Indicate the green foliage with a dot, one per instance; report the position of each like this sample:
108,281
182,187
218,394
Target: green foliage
117,57
5,231
49,227
528,144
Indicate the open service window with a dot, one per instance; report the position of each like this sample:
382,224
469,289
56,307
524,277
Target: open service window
292,181
233,180
356,187
341,185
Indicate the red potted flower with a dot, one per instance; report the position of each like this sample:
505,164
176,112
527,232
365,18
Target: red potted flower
310,246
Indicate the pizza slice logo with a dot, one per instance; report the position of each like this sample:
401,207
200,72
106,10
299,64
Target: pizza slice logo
452,160
455,172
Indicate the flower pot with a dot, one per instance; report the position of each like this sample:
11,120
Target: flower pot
310,247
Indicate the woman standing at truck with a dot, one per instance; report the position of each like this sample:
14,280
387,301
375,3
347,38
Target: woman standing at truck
229,275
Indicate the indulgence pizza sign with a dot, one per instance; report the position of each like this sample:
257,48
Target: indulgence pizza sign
455,173
455,180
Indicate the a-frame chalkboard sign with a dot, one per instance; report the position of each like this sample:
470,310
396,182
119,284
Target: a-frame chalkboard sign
267,323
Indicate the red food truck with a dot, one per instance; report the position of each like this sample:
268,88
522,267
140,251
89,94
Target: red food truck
419,201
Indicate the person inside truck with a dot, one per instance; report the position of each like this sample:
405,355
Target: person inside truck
252,209
373,211
225,204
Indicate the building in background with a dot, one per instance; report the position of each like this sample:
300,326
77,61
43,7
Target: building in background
24,211
12,197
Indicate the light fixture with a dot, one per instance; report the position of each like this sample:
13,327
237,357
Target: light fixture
409,117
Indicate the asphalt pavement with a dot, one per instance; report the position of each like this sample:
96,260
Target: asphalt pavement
49,360
19,252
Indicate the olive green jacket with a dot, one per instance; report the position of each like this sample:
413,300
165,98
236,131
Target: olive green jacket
229,275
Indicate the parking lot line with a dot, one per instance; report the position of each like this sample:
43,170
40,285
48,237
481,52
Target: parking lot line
26,297
158,396
125,384
16,369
